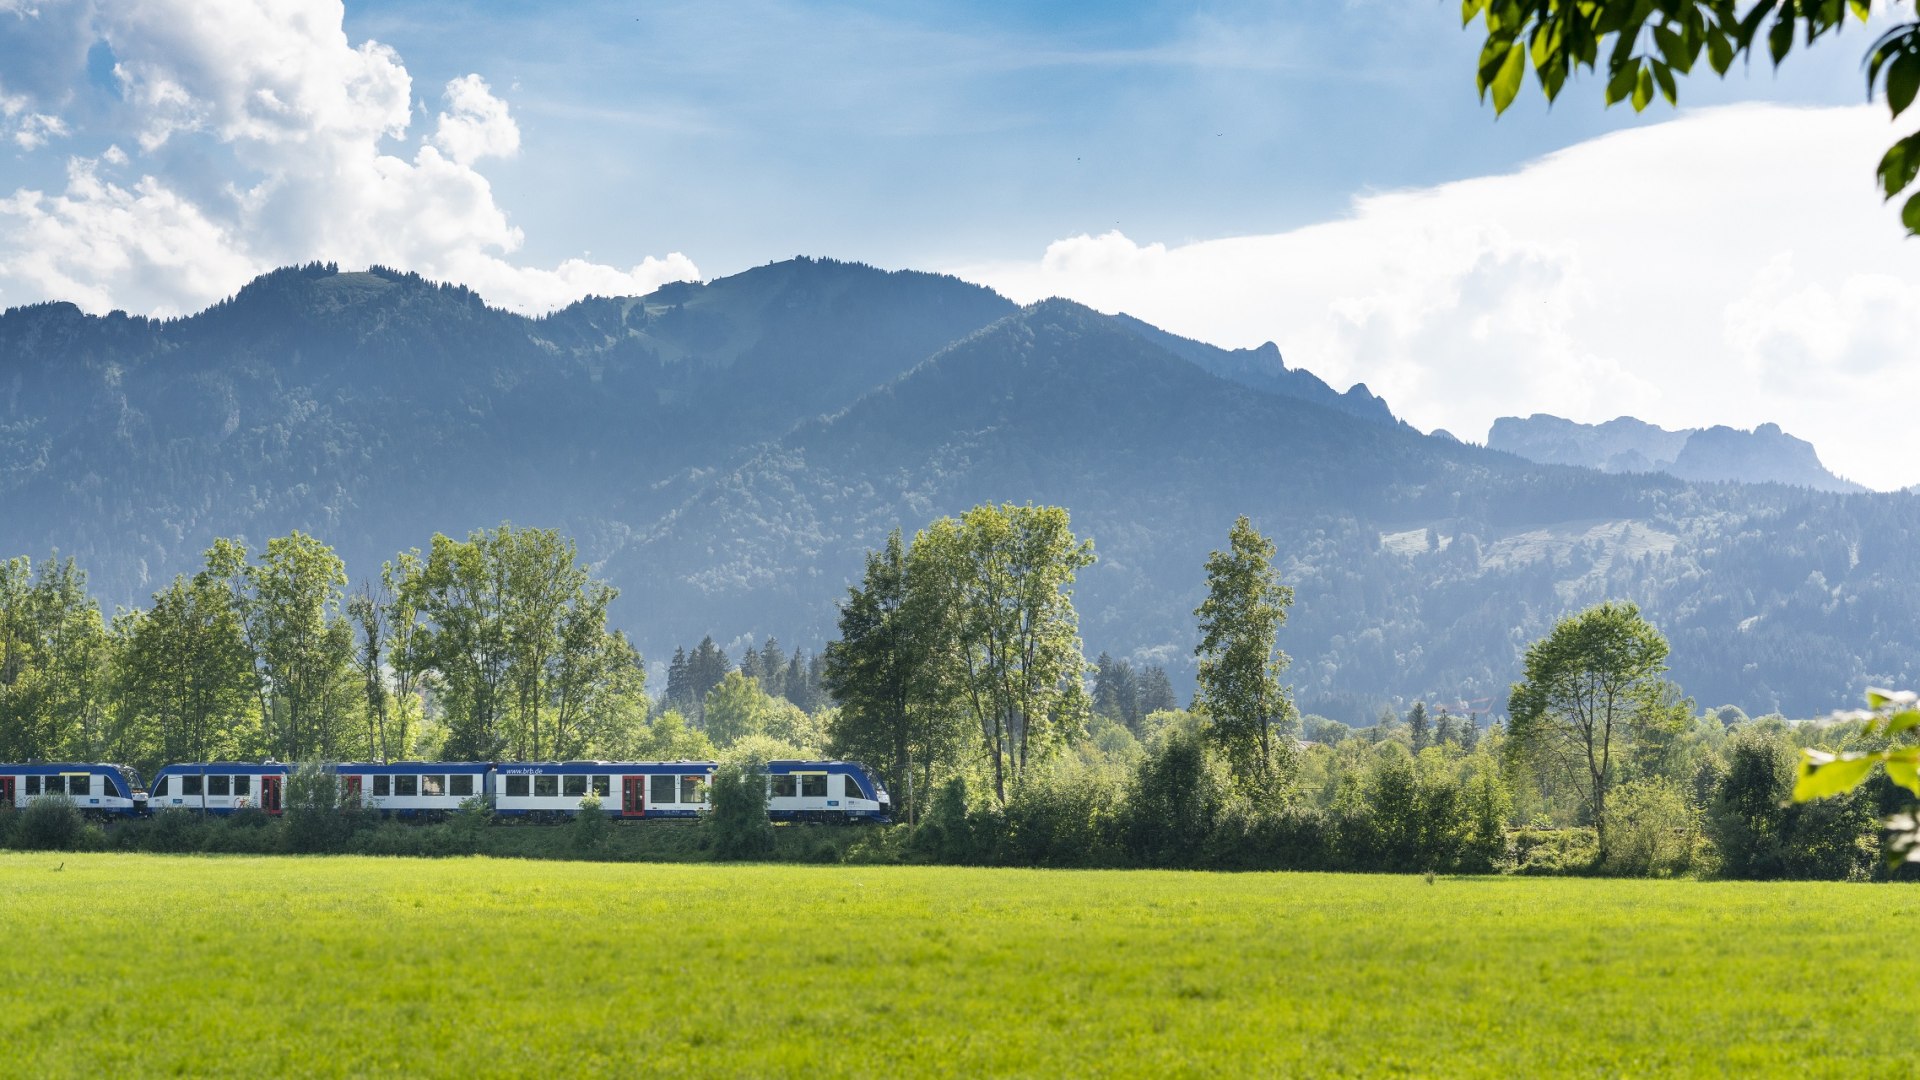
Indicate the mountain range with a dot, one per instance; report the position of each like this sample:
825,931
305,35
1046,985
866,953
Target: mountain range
1765,455
725,453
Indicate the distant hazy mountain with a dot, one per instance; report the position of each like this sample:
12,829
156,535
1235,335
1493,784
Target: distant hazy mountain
726,452
1765,455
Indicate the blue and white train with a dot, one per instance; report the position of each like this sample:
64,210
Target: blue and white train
105,790
822,791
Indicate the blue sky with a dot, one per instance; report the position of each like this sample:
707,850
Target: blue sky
1321,175
925,134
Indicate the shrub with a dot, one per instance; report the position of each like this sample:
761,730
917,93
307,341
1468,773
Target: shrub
1554,851
590,825
316,819
49,823
173,830
736,819
1651,829
1174,802
946,833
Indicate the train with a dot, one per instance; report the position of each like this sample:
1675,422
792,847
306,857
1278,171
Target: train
535,791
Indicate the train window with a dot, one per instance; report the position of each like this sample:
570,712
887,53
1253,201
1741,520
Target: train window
853,788
662,790
690,789
785,786
433,785
190,785
33,785
576,786
460,787
516,786
603,786
243,785
160,788
546,786
219,785
382,786
406,786
813,786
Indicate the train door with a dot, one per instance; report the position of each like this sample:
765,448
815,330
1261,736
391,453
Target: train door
6,791
350,791
633,796
270,794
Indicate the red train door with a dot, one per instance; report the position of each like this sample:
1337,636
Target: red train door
270,794
350,790
633,796
6,791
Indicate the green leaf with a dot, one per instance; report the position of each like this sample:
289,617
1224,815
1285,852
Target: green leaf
1903,768
1663,75
1719,51
1780,37
1903,721
1622,83
1642,89
1506,83
1470,8
1910,215
1897,169
1903,79
1673,48
1822,774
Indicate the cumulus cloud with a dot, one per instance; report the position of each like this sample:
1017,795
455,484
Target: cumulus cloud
1733,265
308,134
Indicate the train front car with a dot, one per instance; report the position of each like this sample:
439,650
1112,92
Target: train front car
628,790
424,789
98,789
221,787
829,791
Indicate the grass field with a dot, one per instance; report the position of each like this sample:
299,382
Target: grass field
133,965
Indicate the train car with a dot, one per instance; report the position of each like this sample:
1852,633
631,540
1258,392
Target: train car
221,787
100,789
632,790
825,791
412,788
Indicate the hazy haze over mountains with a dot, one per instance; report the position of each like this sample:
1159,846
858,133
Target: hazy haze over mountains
725,452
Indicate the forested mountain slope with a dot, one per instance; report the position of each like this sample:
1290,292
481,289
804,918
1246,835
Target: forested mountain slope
727,451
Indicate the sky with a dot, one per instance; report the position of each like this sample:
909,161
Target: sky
1319,175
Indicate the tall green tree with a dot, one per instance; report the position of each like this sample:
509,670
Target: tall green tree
305,647
54,649
1591,688
1643,47
513,629
885,672
186,675
1250,713
1001,579
1419,727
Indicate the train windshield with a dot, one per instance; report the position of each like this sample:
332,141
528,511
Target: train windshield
133,780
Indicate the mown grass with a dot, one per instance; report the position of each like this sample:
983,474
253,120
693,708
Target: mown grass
156,965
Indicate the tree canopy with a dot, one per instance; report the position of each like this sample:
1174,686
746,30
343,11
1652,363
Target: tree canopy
1645,46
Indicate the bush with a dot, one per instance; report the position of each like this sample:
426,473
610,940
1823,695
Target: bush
590,825
1554,851
1759,833
736,820
49,823
316,819
172,830
945,834
1174,803
8,818
1651,829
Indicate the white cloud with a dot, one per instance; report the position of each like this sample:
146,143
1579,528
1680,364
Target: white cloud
305,132
478,125
1734,266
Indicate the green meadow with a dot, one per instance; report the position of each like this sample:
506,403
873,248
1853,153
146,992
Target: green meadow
125,965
